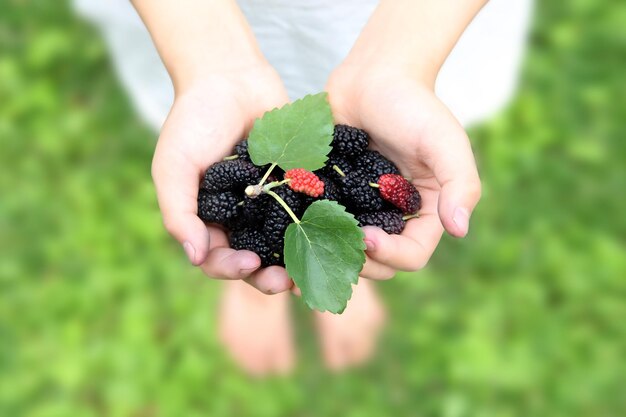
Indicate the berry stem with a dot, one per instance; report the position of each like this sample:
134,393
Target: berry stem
271,185
267,174
253,190
284,205
410,216
230,158
338,170
373,184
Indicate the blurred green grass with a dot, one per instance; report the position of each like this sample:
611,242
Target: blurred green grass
100,315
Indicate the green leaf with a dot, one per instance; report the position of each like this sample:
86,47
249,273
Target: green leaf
324,254
298,135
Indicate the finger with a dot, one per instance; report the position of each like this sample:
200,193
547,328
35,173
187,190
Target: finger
453,164
176,182
375,270
409,251
222,262
270,280
227,263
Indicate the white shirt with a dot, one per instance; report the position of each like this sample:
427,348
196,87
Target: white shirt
305,39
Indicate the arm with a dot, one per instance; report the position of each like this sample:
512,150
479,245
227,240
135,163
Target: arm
222,83
199,37
385,86
415,36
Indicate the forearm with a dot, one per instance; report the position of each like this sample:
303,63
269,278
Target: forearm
413,36
197,37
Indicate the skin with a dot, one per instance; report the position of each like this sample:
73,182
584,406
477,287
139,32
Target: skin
385,86
222,83
428,145
205,123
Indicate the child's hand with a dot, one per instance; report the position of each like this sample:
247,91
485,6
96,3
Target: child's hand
410,126
207,119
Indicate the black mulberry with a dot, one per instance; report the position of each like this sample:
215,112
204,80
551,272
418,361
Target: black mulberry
340,162
372,164
358,195
349,141
331,191
252,239
390,221
277,219
232,175
294,200
241,150
217,208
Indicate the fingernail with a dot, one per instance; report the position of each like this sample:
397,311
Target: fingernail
369,245
461,219
248,265
190,251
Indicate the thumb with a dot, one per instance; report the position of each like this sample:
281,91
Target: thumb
176,182
453,164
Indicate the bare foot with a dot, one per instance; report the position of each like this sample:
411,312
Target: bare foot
350,338
256,329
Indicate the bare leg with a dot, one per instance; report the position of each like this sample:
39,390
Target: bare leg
256,329
350,338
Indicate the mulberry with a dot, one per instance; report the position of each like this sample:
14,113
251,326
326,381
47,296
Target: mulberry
241,150
390,221
305,182
253,240
349,141
337,166
400,192
372,164
331,191
358,195
230,176
217,208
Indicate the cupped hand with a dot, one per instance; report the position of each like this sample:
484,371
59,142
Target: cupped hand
206,120
409,125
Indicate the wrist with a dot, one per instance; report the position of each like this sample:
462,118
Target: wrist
246,86
200,38
352,89
352,77
365,69
206,71
412,37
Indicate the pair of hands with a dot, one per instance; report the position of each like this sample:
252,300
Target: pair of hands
406,123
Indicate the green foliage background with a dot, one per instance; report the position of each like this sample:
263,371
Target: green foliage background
100,314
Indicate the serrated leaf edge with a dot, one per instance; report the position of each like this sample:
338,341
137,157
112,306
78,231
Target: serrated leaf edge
259,122
362,248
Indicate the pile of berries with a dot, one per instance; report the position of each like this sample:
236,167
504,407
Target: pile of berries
364,181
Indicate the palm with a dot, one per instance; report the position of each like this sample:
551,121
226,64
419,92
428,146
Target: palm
204,124
403,138
410,126
202,127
